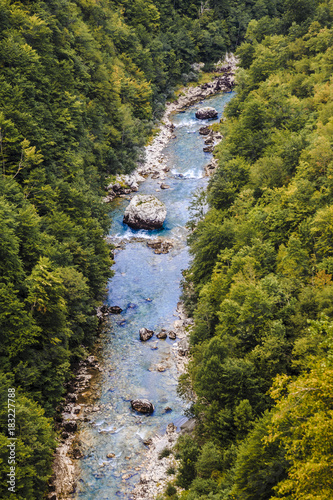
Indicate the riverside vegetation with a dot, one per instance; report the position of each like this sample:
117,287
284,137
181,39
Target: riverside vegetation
81,85
260,285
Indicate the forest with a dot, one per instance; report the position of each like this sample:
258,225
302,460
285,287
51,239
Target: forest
260,285
83,84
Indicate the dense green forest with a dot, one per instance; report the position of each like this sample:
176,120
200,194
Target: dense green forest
260,285
82,84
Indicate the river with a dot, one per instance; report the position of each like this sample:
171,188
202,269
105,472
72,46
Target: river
147,287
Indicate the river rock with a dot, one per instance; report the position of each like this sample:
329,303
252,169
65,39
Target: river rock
71,398
145,334
115,310
204,130
208,149
206,113
172,335
70,426
145,212
164,186
162,335
142,405
160,245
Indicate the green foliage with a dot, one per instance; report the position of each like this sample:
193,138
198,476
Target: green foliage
164,453
170,490
80,87
34,445
260,282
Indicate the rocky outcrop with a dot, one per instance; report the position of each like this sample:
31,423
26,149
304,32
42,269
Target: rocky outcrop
145,212
155,477
142,405
145,334
206,113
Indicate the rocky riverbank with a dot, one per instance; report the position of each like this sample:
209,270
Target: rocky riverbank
65,462
158,464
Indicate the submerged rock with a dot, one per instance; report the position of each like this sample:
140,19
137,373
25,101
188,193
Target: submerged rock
160,246
145,212
145,334
206,113
142,405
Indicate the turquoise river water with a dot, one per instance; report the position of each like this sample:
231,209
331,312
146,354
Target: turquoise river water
140,275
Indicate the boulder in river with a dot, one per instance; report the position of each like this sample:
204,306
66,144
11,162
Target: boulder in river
142,405
162,335
172,335
115,309
145,334
204,130
206,113
145,212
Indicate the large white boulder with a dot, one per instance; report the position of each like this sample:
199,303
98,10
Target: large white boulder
145,211
206,113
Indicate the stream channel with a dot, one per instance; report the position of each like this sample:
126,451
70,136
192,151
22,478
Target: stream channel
126,362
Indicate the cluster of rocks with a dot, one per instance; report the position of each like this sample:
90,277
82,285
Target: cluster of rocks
211,167
212,139
157,466
155,478
223,83
146,334
104,311
160,245
145,211
124,185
